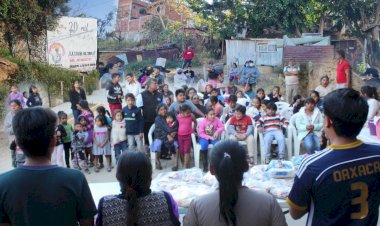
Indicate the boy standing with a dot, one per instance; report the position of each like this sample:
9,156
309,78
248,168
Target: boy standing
241,129
114,94
134,122
271,125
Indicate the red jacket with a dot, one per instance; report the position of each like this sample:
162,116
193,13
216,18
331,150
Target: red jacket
188,54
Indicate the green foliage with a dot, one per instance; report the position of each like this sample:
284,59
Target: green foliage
226,19
29,20
3,95
110,44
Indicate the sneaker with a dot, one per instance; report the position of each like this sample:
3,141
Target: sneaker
90,165
282,159
96,170
175,168
101,166
267,161
87,171
109,169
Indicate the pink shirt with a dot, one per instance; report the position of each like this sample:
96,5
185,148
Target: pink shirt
207,128
184,124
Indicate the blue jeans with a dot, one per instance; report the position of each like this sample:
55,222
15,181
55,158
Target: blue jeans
204,143
277,135
120,148
76,114
312,143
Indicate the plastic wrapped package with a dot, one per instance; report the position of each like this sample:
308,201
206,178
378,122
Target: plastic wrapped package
280,192
210,180
185,194
281,169
298,159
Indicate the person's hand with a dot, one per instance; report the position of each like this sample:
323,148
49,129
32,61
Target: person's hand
119,96
216,136
170,138
212,138
59,133
243,137
78,106
141,135
261,130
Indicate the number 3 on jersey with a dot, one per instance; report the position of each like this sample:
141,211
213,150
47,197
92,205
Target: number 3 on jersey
361,200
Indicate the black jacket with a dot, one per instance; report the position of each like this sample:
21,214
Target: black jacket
34,100
61,129
113,91
76,97
150,103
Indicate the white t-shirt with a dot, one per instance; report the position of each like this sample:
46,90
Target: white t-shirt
323,91
134,88
291,80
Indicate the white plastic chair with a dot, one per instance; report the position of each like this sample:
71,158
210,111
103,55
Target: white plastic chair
288,143
281,105
297,143
255,135
287,112
150,138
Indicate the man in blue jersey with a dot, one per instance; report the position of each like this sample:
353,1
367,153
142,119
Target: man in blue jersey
340,185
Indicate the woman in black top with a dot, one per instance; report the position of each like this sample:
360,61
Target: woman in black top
34,98
201,107
76,94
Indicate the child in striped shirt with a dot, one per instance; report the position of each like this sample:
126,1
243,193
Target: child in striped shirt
271,125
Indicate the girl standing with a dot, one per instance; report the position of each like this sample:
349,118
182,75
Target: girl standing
14,94
34,98
15,106
88,116
102,145
57,155
185,129
62,116
234,73
118,135
209,130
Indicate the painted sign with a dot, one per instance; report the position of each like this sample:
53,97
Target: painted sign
73,44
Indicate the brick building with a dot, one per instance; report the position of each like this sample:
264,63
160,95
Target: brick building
132,14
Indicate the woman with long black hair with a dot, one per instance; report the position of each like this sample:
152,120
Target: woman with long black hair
76,94
237,205
137,204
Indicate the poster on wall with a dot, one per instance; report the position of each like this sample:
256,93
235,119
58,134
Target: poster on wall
73,44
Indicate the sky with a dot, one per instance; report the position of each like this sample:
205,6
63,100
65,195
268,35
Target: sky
92,8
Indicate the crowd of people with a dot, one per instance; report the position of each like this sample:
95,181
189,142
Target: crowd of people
43,147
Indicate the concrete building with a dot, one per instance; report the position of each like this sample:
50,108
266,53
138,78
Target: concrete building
132,14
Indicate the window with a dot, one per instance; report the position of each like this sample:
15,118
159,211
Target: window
142,11
264,48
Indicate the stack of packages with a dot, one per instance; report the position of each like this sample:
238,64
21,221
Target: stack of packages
275,178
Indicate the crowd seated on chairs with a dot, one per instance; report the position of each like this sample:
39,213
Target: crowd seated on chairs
246,120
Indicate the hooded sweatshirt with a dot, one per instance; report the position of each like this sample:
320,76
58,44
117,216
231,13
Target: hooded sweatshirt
207,128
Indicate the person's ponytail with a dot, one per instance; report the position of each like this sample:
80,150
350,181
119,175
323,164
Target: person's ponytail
228,189
228,161
131,197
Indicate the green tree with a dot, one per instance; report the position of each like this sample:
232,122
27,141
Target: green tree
30,19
